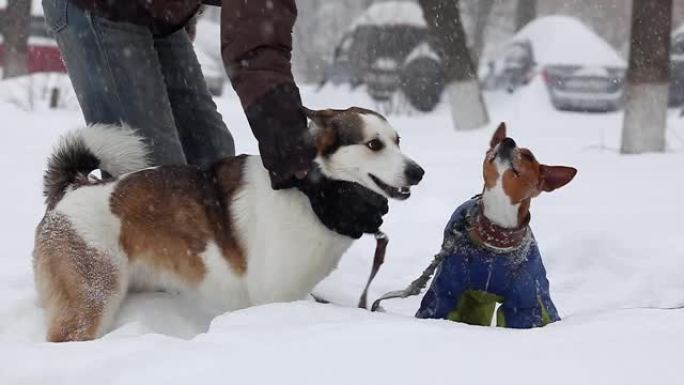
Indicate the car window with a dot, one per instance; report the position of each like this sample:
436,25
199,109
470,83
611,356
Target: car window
517,54
346,44
38,28
344,47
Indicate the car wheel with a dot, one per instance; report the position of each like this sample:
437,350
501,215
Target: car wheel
422,81
676,96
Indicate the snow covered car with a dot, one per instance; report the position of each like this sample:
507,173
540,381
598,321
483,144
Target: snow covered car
387,49
581,70
676,97
514,68
43,53
208,50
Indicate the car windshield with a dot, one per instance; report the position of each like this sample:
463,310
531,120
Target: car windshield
38,27
516,54
386,41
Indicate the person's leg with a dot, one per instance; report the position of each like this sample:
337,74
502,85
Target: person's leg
202,132
116,74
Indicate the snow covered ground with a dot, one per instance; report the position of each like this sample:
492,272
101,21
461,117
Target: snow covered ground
612,241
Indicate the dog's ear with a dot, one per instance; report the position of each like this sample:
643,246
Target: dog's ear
323,131
499,135
553,177
320,117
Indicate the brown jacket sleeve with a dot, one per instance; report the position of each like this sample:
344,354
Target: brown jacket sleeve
256,45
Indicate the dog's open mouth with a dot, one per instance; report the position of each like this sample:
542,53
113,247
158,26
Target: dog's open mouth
399,193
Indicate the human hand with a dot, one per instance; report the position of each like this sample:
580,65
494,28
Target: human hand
286,146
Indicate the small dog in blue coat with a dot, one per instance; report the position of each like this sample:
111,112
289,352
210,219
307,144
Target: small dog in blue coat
489,254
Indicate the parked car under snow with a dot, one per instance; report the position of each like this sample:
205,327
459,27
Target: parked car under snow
387,49
581,71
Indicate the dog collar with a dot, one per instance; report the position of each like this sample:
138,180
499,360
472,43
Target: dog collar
494,237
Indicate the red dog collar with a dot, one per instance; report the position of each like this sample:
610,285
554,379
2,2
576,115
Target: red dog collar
500,239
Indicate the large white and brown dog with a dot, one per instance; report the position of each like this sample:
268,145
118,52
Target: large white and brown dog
223,236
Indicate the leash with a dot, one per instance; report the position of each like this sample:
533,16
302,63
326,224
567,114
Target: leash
381,241
415,287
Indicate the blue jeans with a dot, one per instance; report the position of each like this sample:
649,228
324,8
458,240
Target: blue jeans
121,72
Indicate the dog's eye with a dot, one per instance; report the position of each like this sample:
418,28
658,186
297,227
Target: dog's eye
375,145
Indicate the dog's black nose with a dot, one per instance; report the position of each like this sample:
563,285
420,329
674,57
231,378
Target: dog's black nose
506,147
414,173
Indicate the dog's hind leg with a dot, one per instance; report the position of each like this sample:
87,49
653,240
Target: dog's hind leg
79,307
80,286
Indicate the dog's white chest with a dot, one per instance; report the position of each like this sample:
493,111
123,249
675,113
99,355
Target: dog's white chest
288,250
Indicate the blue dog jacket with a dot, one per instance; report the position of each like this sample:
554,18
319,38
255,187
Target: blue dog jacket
514,277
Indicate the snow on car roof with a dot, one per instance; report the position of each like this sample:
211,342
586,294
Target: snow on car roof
391,12
566,40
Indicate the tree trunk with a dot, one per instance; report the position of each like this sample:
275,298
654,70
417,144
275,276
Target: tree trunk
443,18
648,77
525,12
15,31
484,9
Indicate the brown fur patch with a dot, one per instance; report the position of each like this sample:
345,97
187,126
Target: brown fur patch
227,176
499,135
521,187
338,127
326,140
524,210
525,185
75,282
490,173
170,214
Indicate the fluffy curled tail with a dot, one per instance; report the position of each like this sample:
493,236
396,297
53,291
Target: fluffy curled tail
114,149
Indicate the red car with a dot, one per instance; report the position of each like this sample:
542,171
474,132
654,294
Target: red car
43,53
